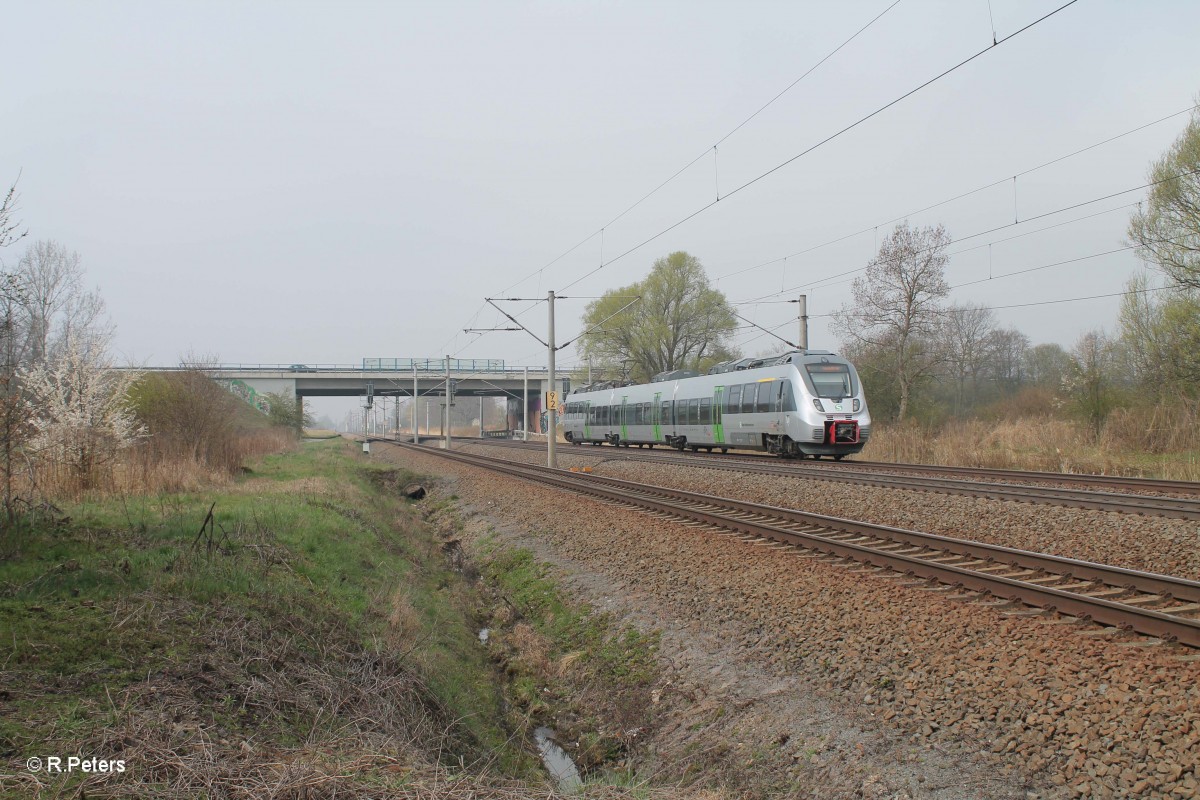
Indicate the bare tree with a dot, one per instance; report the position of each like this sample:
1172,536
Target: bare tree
14,416
52,280
1047,365
967,340
1008,346
1091,380
897,307
14,425
9,228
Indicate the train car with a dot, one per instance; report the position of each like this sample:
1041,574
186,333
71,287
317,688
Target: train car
801,404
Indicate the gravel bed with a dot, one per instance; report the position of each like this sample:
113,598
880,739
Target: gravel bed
1152,544
875,467
1012,706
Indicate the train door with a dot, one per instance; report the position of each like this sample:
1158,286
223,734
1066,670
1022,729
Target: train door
718,417
587,419
656,416
624,421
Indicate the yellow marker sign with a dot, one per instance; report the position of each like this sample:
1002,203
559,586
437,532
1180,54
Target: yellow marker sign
552,401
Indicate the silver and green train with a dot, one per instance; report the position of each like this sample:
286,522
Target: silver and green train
800,404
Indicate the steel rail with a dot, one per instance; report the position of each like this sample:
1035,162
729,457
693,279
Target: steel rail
1105,594
1155,505
1081,478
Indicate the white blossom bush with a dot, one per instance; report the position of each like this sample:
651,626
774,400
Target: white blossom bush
79,412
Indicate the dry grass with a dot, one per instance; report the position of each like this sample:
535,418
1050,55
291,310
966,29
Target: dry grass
155,467
532,648
1160,443
373,726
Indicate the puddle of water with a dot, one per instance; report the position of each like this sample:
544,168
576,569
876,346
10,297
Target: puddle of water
483,635
558,763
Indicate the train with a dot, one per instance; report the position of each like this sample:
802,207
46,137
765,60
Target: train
801,404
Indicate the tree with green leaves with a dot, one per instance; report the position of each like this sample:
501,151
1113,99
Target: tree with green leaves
1168,227
287,411
680,322
1161,340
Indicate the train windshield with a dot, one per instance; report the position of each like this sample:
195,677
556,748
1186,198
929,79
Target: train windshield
831,380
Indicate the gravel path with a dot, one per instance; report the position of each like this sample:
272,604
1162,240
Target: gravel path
907,687
1152,544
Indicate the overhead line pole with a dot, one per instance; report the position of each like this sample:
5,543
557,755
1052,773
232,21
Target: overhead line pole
552,378
803,315
552,411
449,400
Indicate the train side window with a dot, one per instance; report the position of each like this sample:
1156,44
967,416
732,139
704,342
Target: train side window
645,413
666,413
734,404
764,396
748,390
706,411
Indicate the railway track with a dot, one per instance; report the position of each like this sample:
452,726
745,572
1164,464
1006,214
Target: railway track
1155,605
1174,506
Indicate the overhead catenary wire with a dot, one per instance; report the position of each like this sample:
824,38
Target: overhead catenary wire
821,143
960,196
1073,206
1047,302
701,155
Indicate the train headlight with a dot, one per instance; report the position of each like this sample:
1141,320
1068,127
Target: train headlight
817,405
857,404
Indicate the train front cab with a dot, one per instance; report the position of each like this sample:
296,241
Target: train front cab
833,419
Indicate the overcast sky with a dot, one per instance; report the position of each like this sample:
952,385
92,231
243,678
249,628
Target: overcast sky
319,183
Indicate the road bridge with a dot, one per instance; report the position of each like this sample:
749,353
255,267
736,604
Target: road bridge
525,387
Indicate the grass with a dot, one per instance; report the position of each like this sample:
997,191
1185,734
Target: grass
568,665
308,634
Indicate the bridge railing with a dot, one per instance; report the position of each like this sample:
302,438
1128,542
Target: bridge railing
435,364
424,366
